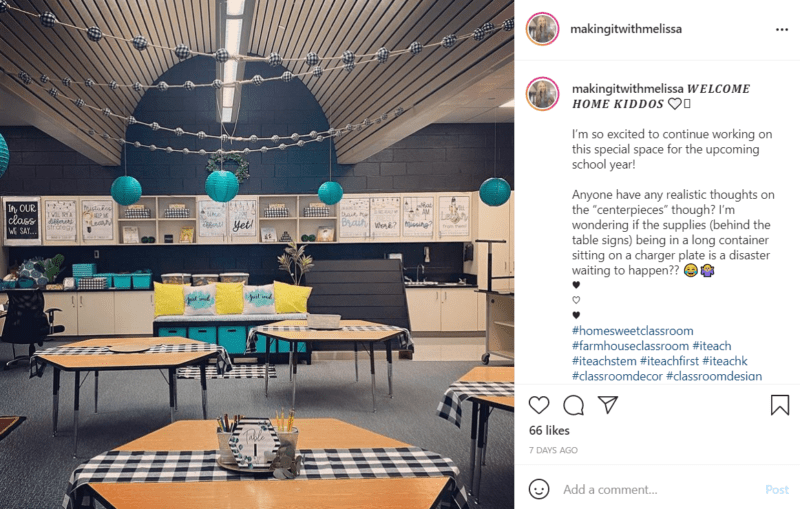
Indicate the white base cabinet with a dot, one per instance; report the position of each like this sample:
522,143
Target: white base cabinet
133,313
68,317
443,309
95,313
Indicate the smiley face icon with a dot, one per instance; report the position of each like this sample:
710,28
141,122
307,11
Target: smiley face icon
690,270
539,489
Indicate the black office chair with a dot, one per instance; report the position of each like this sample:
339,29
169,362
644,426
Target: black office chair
27,322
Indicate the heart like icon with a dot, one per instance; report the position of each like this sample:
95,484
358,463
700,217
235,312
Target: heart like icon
576,284
576,314
539,403
576,299
675,102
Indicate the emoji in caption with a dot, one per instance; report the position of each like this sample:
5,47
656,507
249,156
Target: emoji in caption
707,270
690,270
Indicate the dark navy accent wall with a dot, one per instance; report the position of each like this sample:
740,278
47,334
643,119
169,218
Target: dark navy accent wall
440,157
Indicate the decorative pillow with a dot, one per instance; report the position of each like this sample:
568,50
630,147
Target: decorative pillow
291,298
229,298
259,300
169,299
200,300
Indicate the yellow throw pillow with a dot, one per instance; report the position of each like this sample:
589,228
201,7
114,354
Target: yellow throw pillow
229,298
291,298
169,299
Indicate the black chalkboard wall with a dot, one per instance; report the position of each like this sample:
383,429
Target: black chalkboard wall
21,220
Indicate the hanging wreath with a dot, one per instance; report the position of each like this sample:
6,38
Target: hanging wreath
242,166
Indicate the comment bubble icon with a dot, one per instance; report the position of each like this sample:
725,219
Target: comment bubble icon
573,405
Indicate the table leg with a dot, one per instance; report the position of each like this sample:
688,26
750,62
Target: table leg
291,357
476,484
355,356
56,387
485,440
203,383
372,371
389,365
77,411
293,368
171,382
266,367
473,436
96,384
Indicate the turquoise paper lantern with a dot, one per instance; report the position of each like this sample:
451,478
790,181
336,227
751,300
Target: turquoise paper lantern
126,190
330,193
495,192
222,186
3,155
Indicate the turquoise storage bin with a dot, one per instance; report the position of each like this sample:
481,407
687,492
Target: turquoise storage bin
109,278
206,334
122,281
141,281
164,332
232,338
283,347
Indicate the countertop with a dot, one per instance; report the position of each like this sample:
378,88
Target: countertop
440,285
74,291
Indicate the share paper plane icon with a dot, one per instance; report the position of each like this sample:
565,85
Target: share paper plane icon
608,401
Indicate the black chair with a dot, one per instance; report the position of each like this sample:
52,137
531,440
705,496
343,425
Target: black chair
27,322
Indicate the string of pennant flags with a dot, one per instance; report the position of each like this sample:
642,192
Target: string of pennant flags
222,55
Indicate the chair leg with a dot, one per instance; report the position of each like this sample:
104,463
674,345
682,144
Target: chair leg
18,359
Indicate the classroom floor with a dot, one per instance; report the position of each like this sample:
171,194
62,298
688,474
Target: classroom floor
35,467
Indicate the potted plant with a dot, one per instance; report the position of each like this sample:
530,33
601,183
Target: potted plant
295,262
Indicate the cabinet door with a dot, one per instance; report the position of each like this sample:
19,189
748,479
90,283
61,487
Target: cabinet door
424,309
133,313
95,313
481,311
67,302
459,308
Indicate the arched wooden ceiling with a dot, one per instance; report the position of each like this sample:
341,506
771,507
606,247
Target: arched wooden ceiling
422,83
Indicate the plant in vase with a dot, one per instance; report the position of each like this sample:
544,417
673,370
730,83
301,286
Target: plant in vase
295,262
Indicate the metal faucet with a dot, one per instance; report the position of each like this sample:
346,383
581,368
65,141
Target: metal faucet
423,271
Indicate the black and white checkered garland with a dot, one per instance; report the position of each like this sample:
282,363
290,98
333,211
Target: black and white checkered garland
415,48
348,57
94,34
449,41
48,19
201,466
176,213
182,51
3,6
139,42
137,213
450,406
282,212
275,60
287,76
222,55
25,77
312,58
404,335
223,363
239,371
382,55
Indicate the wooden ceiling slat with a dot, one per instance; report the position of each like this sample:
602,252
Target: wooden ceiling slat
35,55
296,30
149,28
440,66
134,25
257,30
85,55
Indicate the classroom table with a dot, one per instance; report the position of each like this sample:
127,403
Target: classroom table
204,484
355,331
100,359
487,388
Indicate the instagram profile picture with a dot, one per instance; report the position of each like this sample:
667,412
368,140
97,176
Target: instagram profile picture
542,93
543,29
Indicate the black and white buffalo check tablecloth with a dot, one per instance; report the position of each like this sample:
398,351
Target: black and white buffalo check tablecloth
450,406
238,371
224,363
201,466
404,334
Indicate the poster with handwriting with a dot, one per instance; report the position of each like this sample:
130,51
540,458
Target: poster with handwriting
242,218
22,221
454,216
354,218
60,220
418,216
384,216
213,218
97,219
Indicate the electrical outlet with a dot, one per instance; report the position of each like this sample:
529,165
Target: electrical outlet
96,254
